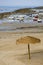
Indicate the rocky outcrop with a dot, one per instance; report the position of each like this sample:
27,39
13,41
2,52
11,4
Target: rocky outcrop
3,15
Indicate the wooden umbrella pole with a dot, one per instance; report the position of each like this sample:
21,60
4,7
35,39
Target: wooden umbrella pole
29,50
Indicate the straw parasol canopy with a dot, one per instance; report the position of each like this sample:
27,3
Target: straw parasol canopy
28,40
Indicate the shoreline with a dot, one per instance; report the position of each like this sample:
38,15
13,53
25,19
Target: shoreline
22,30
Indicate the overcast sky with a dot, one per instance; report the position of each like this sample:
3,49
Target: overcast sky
21,2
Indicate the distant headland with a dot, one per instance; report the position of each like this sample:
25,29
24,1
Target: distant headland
22,10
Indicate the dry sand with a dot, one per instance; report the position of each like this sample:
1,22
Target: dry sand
17,54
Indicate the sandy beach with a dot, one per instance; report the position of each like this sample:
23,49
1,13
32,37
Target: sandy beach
19,19
17,54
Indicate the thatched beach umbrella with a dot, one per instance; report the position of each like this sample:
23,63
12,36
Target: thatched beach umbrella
28,40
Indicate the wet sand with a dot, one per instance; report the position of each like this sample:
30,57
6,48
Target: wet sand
17,54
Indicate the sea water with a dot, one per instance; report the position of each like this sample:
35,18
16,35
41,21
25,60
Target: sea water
10,8
4,9
7,8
